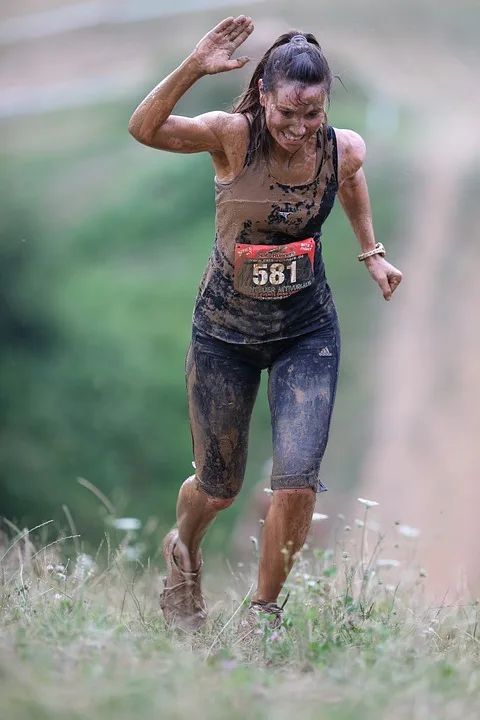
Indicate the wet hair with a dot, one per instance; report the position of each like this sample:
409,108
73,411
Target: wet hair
293,57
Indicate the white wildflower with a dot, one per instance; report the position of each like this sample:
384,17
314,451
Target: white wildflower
359,523
127,523
367,503
269,491
408,531
384,562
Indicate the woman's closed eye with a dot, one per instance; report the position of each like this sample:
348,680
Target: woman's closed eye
310,116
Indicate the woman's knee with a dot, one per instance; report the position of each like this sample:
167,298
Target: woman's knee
218,504
295,497
219,495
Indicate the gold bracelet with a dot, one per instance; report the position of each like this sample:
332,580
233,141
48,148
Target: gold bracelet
378,250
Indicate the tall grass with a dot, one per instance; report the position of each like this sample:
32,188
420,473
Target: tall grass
82,637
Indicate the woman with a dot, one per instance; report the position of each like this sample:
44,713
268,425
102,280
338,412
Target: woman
263,302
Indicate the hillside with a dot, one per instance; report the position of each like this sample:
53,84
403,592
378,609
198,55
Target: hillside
411,71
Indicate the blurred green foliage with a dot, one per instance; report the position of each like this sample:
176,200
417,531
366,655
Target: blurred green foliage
103,243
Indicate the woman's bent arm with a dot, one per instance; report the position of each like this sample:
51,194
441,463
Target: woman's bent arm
354,198
152,122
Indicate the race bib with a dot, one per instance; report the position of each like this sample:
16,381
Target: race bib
272,272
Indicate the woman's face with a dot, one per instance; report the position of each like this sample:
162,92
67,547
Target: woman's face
293,112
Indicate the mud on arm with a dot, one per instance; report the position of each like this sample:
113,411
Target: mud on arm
153,124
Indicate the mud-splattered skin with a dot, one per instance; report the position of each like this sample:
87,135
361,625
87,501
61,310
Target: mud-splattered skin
257,209
280,316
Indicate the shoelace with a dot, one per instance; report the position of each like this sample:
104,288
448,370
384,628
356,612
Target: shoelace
270,607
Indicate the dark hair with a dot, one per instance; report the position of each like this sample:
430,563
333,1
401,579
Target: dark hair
293,57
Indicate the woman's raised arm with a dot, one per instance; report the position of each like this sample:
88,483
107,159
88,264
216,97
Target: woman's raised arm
152,122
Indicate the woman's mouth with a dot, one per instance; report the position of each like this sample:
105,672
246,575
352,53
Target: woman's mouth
293,138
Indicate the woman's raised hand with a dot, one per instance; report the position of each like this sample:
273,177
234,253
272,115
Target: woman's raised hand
213,54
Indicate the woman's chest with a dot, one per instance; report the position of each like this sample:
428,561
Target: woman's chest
266,213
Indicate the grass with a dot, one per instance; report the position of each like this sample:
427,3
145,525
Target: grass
82,638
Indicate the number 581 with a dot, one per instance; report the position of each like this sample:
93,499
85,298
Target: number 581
275,274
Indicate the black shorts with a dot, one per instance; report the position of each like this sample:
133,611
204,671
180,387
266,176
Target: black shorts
222,384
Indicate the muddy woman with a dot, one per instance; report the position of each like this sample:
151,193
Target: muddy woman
263,302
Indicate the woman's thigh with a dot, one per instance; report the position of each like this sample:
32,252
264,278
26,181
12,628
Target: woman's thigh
302,387
221,389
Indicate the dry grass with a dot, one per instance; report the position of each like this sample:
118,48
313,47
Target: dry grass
82,638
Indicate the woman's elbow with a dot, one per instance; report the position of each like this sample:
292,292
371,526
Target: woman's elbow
135,129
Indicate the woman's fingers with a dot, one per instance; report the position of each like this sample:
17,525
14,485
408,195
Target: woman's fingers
385,287
242,25
224,26
395,280
238,63
239,40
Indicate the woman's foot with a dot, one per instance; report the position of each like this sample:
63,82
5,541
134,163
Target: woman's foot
182,601
261,617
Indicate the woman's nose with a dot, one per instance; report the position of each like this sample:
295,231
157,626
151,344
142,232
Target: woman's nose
299,127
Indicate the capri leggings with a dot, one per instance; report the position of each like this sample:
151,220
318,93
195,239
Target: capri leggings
222,384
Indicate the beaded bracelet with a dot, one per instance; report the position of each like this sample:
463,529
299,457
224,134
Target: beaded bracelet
378,250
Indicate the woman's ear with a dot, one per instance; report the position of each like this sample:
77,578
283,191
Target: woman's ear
261,92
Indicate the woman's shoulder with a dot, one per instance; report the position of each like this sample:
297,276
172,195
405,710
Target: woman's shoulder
231,124
233,130
351,152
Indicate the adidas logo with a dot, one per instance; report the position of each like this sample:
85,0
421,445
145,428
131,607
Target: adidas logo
325,352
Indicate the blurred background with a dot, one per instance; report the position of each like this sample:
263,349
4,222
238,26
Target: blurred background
103,243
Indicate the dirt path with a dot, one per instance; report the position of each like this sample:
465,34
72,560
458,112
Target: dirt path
423,464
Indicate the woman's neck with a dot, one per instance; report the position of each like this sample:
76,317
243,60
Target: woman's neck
288,166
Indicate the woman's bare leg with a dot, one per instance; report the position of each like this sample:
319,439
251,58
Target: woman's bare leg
196,511
285,530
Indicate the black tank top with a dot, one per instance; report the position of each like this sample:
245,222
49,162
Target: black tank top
256,209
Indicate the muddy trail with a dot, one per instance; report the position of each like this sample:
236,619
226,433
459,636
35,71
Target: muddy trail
422,465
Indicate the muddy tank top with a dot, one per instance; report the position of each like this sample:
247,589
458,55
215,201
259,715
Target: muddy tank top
255,209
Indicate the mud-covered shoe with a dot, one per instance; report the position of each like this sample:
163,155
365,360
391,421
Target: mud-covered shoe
261,617
182,601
